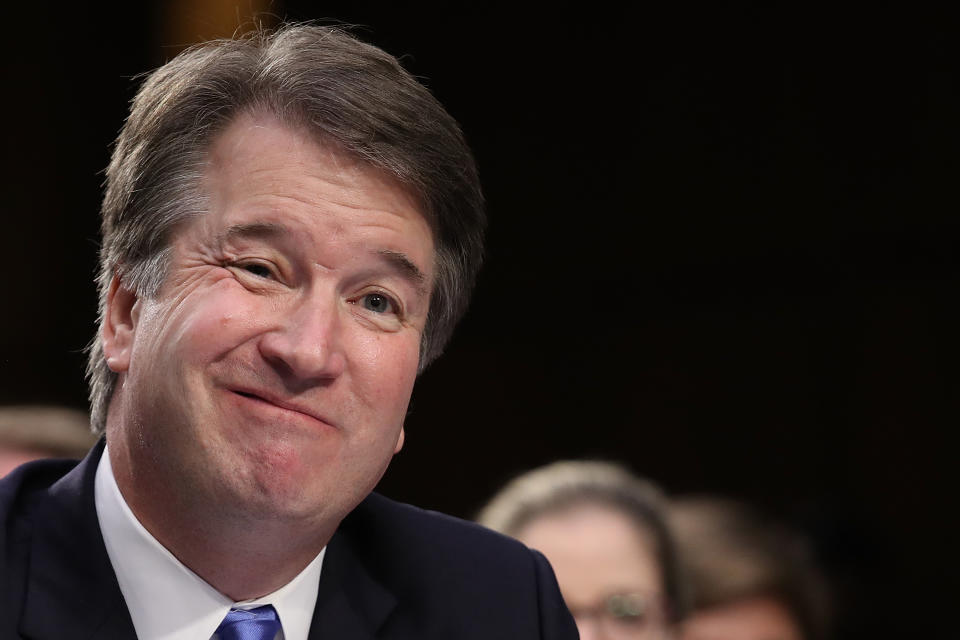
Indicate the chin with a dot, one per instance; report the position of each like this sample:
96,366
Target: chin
290,495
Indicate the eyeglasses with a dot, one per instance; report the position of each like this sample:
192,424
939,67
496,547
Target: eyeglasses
625,616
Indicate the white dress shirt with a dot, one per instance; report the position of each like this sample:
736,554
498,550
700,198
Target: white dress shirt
168,601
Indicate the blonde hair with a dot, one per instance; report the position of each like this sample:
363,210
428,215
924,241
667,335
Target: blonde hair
570,483
54,430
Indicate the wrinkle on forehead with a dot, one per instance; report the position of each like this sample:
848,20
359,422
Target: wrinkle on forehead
305,151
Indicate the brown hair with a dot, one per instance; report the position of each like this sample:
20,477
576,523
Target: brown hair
347,93
729,552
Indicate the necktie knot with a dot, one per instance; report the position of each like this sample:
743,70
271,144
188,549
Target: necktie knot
261,623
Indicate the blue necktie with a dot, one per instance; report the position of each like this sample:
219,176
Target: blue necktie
251,624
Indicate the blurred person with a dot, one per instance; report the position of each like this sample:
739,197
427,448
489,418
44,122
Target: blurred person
605,533
33,432
749,579
292,226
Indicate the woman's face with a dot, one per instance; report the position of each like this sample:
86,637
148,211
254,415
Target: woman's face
607,570
750,618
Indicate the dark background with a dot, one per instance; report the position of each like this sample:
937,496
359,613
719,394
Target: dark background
722,251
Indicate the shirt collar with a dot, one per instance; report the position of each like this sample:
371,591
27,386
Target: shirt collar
168,601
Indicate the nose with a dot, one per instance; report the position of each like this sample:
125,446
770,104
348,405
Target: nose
306,345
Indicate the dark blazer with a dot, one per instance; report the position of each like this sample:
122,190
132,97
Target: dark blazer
391,571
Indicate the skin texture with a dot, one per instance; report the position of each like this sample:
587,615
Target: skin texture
759,618
262,392
597,551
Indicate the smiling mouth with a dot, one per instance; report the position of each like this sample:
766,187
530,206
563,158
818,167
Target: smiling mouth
283,406
253,396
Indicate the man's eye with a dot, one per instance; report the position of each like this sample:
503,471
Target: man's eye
259,270
378,303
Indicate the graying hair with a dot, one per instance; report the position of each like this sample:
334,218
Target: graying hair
567,484
347,93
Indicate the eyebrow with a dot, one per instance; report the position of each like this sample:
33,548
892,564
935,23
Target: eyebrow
399,261
406,267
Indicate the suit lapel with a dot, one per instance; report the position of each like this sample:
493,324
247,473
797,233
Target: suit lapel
72,590
351,603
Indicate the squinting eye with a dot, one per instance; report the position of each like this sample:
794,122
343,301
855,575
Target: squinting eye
378,303
258,270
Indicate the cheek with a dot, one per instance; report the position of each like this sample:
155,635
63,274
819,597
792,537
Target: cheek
200,327
387,365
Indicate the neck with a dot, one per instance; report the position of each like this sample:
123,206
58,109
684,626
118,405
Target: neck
241,555
240,564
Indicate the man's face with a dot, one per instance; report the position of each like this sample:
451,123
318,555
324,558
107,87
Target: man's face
271,374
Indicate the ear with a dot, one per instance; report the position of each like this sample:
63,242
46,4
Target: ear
119,325
399,442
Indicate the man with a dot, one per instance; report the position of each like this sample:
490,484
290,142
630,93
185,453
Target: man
291,227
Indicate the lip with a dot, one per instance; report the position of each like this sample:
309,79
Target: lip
259,396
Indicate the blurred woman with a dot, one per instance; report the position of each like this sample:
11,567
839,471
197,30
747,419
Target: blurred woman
604,531
748,578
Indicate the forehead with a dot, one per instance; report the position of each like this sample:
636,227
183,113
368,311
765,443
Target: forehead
751,618
261,170
595,550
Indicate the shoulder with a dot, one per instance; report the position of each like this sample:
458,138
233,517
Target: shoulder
457,573
24,496
423,537
27,484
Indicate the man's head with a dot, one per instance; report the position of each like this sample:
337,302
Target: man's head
332,88
291,228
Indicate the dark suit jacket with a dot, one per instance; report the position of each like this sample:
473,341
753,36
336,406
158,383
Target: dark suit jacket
391,571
